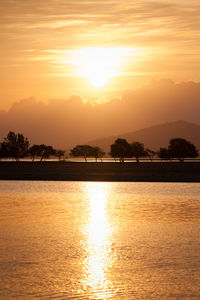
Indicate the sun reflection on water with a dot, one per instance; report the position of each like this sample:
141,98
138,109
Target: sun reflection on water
99,241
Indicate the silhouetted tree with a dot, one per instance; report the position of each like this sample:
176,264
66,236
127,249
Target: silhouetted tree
164,154
34,151
98,153
120,149
3,150
181,149
138,150
82,151
17,145
46,151
59,154
150,153
41,151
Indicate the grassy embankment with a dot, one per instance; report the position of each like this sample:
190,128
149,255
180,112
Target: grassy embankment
74,171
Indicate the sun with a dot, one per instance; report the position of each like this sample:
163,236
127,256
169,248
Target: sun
98,80
99,65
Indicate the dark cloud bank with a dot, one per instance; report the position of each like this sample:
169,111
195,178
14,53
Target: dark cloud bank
63,123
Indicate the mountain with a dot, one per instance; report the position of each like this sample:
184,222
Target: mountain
156,136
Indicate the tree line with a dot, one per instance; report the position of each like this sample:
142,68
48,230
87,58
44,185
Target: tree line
16,146
178,148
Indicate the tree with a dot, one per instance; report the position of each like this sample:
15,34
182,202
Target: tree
120,149
17,145
138,150
34,151
98,153
150,153
59,154
164,154
82,151
41,151
3,150
181,149
46,151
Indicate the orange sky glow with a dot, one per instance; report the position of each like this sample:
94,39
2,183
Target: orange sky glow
95,49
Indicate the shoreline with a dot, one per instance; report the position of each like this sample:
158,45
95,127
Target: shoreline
101,171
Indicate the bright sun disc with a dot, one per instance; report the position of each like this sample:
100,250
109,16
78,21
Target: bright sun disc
99,64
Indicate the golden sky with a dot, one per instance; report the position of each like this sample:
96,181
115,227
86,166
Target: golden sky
95,48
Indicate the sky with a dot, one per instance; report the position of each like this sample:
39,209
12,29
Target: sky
64,123
95,49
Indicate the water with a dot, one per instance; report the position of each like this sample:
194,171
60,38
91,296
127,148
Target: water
73,240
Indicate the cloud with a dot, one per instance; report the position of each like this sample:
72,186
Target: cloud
67,122
166,31
123,19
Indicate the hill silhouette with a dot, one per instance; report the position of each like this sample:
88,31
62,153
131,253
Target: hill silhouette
156,136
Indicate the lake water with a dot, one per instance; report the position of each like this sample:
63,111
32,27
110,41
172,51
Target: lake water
80,240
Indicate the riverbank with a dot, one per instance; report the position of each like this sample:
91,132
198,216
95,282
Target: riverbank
91,171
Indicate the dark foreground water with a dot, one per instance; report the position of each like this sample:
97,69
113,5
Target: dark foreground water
70,240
